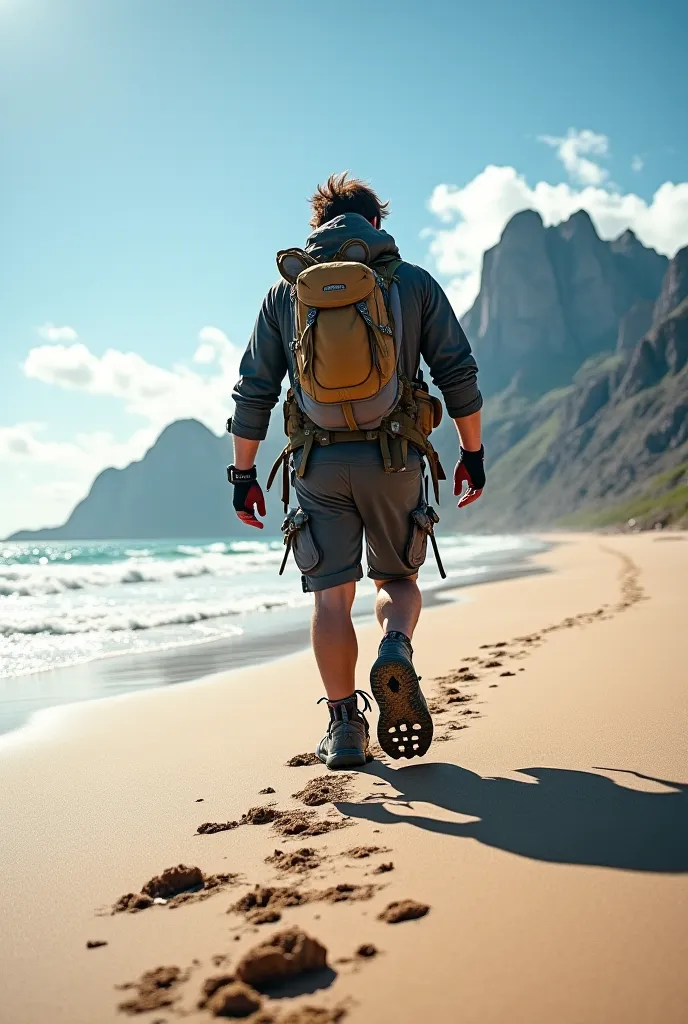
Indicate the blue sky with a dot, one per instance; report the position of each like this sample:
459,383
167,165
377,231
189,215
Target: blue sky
157,153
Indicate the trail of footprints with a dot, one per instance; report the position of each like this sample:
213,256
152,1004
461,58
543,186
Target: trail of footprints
250,989
504,654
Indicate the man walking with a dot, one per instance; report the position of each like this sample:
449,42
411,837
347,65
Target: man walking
348,323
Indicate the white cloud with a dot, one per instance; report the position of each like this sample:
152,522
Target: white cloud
156,394
60,492
50,475
214,346
86,454
637,163
474,216
52,333
574,151
45,478
205,353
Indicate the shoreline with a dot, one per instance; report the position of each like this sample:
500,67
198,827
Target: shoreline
271,639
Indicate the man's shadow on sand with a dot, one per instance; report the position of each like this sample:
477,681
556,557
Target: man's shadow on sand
564,816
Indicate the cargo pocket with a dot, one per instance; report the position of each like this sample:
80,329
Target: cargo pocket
423,520
297,534
417,546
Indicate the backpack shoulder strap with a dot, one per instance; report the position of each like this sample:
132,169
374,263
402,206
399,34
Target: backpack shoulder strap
387,267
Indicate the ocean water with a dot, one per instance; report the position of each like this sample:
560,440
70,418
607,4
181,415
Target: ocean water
67,603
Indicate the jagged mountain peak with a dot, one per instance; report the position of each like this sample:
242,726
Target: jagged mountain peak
184,428
626,240
523,221
550,298
674,286
579,224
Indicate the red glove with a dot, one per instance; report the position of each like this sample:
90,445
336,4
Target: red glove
248,495
469,469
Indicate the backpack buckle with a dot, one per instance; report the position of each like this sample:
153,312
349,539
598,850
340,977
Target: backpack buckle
395,426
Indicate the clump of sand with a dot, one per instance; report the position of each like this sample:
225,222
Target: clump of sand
264,900
403,910
325,790
367,950
266,897
384,868
305,823
234,1000
284,955
260,816
209,828
345,891
130,902
303,760
297,862
361,852
154,990
174,886
212,984
173,881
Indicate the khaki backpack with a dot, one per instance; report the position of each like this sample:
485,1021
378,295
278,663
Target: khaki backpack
347,336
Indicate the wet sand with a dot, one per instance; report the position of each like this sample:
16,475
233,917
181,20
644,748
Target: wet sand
532,868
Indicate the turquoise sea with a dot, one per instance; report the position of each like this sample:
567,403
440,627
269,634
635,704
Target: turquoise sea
64,604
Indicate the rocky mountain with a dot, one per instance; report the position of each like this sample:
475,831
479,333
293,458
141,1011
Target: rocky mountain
617,432
178,489
550,298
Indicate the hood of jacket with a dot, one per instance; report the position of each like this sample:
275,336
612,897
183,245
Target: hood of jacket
326,240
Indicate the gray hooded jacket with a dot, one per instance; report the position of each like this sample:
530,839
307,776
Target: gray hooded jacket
430,330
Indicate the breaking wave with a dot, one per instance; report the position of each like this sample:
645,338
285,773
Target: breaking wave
59,622
34,580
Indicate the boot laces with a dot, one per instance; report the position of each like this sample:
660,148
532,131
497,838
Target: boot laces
345,704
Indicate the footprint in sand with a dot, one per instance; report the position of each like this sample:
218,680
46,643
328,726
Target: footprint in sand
177,885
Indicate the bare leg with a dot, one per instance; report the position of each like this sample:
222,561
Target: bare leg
334,640
398,605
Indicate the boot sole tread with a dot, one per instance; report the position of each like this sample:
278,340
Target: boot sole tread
400,704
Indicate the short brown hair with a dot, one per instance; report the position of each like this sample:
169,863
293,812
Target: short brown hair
342,194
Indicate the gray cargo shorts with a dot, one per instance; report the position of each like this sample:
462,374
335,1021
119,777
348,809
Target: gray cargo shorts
345,491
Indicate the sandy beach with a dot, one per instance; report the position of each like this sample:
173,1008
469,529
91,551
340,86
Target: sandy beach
546,831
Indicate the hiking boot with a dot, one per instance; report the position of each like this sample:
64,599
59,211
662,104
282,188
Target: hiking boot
405,725
346,742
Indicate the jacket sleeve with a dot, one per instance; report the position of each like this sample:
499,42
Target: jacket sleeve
446,350
263,368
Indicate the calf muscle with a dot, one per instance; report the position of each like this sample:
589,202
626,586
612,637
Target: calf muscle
398,605
334,639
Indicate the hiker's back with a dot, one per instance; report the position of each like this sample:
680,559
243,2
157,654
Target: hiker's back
344,354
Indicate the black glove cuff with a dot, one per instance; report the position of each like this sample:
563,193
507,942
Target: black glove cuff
471,456
474,466
241,476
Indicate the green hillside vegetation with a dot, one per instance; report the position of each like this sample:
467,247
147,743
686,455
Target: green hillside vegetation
664,502
512,470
